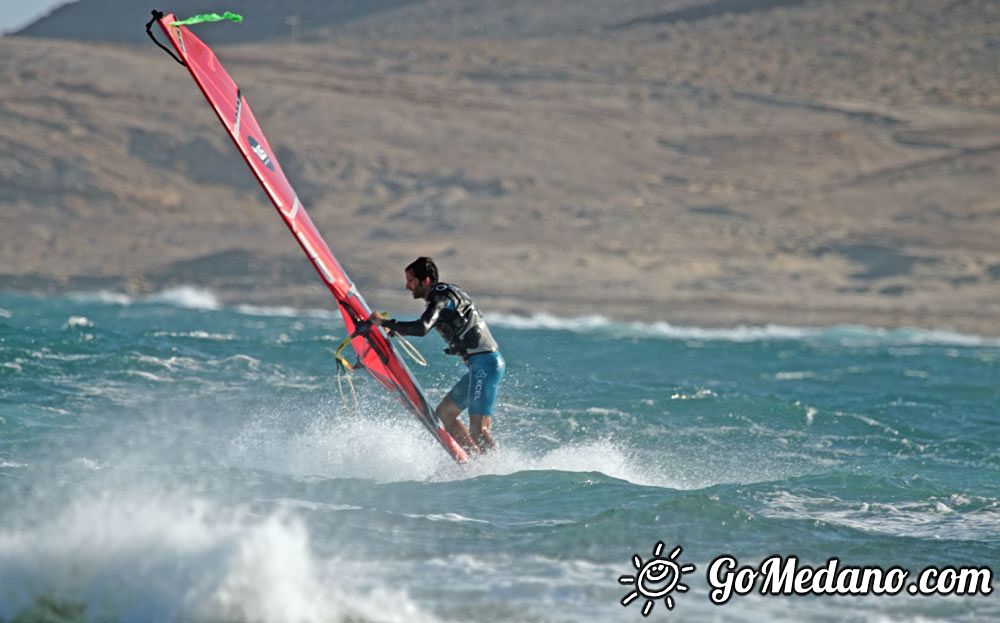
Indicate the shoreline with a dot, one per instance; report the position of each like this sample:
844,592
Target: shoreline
680,314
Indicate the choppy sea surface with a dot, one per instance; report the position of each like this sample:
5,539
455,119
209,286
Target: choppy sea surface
171,459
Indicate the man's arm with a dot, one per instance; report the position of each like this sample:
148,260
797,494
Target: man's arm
422,325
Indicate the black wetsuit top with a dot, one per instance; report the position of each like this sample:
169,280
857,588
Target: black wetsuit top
452,313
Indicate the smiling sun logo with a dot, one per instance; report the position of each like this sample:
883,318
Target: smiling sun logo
656,578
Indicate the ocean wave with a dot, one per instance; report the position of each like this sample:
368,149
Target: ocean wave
84,464
844,334
198,335
47,353
188,297
354,447
283,311
101,296
955,517
331,441
149,376
605,457
172,363
76,322
180,558
295,504
309,444
192,297
446,517
13,365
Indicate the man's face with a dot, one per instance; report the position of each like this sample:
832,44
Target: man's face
414,285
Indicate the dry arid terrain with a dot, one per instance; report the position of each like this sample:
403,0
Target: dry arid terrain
708,163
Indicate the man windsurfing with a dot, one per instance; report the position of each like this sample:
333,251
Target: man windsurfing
453,314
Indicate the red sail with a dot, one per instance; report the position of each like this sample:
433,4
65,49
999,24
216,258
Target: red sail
374,351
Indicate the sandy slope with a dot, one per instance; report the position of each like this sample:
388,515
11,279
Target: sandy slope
820,162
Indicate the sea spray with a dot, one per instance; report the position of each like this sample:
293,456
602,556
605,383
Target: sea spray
210,447
141,556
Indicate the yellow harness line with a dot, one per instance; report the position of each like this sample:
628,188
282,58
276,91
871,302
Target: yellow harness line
350,384
342,362
345,366
404,344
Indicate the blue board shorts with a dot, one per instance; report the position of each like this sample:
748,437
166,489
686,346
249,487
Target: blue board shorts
477,389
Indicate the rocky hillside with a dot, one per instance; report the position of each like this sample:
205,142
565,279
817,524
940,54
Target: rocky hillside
312,21
801,162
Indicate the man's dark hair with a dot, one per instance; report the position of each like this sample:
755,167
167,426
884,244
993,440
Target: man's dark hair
424,267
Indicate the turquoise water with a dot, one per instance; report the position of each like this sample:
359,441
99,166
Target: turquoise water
168,459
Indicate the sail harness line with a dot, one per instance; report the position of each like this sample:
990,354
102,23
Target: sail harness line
405,345
345,368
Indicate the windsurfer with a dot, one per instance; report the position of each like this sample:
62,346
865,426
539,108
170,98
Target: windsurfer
453,314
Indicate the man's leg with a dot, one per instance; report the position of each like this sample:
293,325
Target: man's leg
448,412
486,371
479,426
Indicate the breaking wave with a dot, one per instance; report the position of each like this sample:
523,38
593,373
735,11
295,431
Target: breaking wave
844,334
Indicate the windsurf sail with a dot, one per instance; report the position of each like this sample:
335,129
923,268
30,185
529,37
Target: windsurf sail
375,352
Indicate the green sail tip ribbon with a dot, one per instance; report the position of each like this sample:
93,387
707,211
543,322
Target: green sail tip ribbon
209,17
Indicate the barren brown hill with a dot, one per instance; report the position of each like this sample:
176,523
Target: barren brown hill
804,163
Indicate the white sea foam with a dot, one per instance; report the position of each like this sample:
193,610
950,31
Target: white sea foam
187,296
173,363
251,363
446,517
193,297
355,446
845,334
701,394
178,558
148,376
264,310
794,375
348,447
548,321
283,311
391,446
83,464
294,503
102,296
4,313
47,353
603,456
181,296
74,322
932,518
198,335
